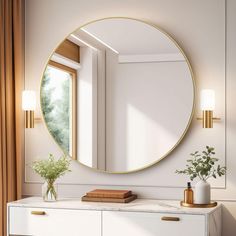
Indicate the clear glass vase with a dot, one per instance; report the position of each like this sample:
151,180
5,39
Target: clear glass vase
49,191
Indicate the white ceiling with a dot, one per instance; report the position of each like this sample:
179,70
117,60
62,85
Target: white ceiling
131,37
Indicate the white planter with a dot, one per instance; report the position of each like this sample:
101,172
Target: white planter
202,192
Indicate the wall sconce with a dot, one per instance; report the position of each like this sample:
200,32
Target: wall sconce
207,106
29,105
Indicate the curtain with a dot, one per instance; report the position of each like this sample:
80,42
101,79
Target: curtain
11,118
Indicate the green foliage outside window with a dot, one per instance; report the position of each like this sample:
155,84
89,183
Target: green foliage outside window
56,112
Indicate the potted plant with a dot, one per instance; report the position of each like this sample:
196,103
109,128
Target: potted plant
50,170
203,166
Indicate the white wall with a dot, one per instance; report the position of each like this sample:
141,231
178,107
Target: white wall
86,112
141,101
199,27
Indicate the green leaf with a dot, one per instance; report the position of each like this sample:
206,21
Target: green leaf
51,169
203,165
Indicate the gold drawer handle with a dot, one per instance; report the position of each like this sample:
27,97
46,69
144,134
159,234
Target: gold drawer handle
169,218
39,213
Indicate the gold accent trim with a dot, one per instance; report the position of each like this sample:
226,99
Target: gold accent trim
39,213
192,77
29,119
214,118
194,205
207,119
170,218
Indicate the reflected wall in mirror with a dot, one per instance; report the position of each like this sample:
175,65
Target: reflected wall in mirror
117,95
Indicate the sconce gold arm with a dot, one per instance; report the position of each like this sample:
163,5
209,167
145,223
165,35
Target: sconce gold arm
29,119
207,119
214,118
37,119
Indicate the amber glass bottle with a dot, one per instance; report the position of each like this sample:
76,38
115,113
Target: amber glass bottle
188,194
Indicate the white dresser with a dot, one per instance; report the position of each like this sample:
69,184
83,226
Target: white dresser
71,217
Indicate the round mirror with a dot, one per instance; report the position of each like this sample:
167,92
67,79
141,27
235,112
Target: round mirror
117,95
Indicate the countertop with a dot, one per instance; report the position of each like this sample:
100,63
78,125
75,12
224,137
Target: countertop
138,205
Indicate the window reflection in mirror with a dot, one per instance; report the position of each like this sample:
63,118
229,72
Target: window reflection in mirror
57,104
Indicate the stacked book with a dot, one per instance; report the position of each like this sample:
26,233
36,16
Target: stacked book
105,195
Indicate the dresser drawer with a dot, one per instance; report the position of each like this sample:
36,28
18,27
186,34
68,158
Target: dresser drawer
152,224
59,222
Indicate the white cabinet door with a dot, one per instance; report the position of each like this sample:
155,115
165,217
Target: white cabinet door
152,224
54,222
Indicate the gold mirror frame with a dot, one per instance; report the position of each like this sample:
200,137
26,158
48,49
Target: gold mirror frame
193,105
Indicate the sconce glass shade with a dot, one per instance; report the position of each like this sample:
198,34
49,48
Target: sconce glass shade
207,100
28,100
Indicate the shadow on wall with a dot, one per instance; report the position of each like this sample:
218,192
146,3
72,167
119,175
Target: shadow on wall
228,220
